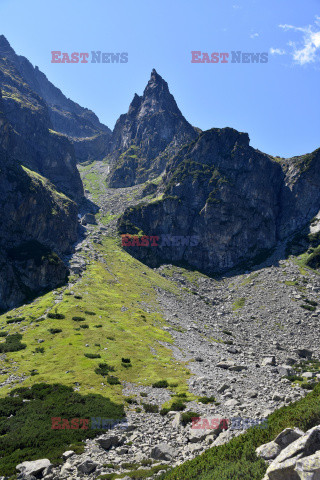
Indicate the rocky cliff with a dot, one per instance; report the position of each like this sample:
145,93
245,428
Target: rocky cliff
37,224
146,137
224,203
80,124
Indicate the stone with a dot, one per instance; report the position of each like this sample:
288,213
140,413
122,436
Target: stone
238,368
268,451
268,360
309,468
176,422
307,374
106,442
287,436
34,467
67,454
226,365
162,451
87,466
304,352
285,370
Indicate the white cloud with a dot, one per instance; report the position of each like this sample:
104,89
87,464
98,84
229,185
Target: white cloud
254,35
277,51
236,7
308,49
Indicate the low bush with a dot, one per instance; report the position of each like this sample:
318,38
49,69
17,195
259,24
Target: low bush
54,330
92,355
150,408
26,427
160,384
56,316
113,380
104,369
12,343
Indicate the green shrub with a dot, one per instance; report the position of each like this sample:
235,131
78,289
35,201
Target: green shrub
78,319
84,325
104,369
311,308
186,417
56,316
3,334
92,355
113,380
143,394
177,406
15,320
98,326
90,313
54,330
39,350
126,360
164,411
12,343
160,384
27,433
206,400
150,408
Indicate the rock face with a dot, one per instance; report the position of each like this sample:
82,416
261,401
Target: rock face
35,144
65,116
37,223
144,139
299,460
232,199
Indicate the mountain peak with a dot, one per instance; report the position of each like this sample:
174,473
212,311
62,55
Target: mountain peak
5,46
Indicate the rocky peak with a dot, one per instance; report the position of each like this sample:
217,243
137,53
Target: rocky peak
5,47
153,125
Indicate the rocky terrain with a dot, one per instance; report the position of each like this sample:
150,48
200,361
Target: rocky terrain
242,335
146,137
238,202
80,124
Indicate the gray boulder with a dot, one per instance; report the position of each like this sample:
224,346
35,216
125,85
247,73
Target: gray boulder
162,451
87,466
36,467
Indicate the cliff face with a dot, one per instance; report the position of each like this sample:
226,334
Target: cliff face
236,201
144,139
37,145
37,224
62,114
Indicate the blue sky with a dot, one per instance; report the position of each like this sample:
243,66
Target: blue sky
277,103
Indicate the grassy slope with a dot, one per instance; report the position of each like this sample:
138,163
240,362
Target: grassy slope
105,292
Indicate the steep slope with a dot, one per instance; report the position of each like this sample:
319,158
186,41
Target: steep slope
36,224
228,203
144,138
65,116
39,147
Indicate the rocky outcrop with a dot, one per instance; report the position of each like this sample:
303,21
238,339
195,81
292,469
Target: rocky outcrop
28,86
298,458
37,224
36,144
235,201
146,137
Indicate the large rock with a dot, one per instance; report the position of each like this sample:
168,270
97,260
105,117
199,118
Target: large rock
87,466
268,451
162,451
283,467
106,441
36,467
309,468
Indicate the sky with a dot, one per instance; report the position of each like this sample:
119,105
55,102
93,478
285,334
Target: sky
276,102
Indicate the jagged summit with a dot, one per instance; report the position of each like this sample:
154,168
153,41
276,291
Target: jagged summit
5,47
154,124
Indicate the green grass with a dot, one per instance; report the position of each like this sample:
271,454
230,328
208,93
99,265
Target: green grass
135,333
236,460
239,303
